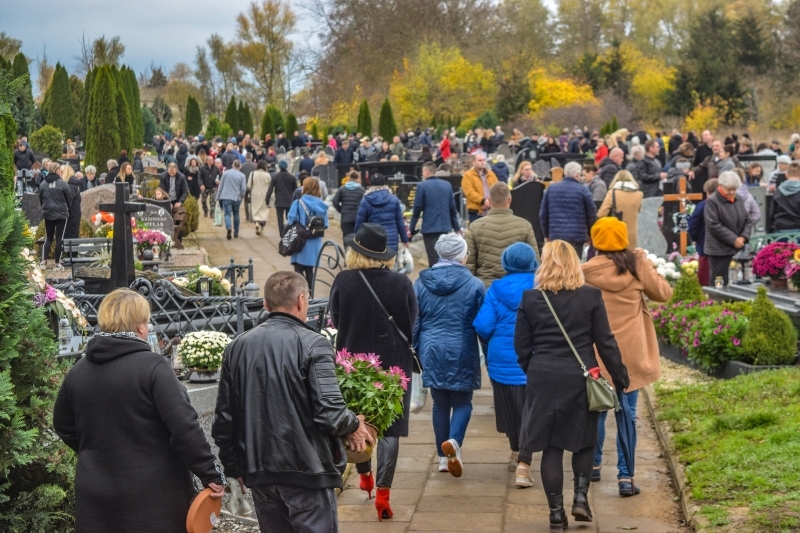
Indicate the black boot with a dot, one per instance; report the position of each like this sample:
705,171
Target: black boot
580,502
558,516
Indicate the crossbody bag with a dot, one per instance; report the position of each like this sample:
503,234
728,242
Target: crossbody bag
600,393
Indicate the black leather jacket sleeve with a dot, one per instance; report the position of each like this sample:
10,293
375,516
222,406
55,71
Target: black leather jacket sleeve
223,430
330,412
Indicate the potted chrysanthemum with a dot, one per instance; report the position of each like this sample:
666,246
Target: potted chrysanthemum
371,391
201,352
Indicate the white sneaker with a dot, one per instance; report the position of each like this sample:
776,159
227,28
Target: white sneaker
58,267
43,265
523,477
443,464
453,452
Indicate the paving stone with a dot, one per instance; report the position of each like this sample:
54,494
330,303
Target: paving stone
466,522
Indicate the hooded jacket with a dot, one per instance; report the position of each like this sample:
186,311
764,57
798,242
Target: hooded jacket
608,170
786,206
500,170
316,207
496,321
73,228
449,298
181,156
138,440
379,206
55,197
628,314
280,414
347,200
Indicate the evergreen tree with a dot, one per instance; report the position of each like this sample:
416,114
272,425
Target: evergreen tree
76,86
268,123
513,94
84,104
753,48
36,470
23,109
58,105
614,124
124,121
291,125
103,136
134,105
277,119
314,130
213,127
148,125
364,121
245,118
387,127
194,121
232,115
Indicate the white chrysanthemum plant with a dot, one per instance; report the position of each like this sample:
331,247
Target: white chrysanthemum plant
666,269
202,350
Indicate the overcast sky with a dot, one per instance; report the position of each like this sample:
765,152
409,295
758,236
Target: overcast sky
157,31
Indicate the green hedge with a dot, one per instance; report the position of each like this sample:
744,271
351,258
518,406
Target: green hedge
47,139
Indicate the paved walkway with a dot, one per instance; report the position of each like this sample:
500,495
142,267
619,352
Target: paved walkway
484,499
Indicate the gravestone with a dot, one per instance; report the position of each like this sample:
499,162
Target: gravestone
296,166
91,199
32,208
526,199
149,161
541,169
156,218
505,151
650,236
760,195
122,272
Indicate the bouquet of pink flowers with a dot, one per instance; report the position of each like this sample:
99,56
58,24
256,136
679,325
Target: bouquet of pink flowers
772,259
370,390
147,239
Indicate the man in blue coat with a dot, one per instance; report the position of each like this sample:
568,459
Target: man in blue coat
568,211
434,198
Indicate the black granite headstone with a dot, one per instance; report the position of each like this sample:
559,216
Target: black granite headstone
526,200
122,272
157,217
32,208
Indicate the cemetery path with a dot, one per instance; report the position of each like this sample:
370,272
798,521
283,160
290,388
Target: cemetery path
484,499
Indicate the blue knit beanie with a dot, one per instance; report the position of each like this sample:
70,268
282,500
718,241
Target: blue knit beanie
519,257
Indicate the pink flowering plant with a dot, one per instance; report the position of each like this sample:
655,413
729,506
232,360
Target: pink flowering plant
771,261
370,390
146,239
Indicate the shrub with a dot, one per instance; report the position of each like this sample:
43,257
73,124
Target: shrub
47,139
771,338
192,220
213,127
86,230
225,131
488,120
148,125
687,289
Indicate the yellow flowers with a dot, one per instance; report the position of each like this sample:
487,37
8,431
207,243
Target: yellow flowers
797,255
690,267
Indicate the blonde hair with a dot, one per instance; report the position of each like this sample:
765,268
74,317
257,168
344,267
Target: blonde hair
321,159
522,165
123,310
560,268
623,175
357,261
66,172
122,174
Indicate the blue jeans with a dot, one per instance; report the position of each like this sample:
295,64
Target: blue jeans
445,425
228,206
622,467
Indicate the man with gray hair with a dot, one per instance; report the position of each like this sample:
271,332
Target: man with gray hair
87,181
568,211
280,418
113,170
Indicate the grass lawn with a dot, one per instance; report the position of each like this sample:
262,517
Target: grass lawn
740,442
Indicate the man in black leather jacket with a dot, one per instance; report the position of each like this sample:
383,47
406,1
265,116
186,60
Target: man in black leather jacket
280,415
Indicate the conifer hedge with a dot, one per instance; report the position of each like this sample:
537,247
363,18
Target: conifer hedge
103,132
387,127
194,121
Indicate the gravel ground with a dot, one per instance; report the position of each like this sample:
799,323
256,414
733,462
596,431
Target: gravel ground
228,525
674,375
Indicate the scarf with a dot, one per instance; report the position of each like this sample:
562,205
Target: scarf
722,193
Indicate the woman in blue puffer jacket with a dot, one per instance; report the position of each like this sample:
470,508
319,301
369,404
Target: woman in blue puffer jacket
495,323
449,297
380,206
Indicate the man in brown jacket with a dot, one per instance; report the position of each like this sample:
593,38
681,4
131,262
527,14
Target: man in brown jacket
475,184
489,236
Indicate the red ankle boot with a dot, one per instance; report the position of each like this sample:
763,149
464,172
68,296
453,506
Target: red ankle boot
382,504
367,483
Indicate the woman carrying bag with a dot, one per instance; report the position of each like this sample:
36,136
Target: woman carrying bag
303,210
625,278
559,325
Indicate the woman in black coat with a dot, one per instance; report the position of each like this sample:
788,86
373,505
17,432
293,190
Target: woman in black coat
363,327
129,419
73,229
556,415
728,226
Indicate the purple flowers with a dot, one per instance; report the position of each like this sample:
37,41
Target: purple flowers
773,259
735,341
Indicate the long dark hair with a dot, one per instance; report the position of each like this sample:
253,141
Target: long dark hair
625,261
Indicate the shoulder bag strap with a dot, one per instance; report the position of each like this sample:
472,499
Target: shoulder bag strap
308,215
574,351
417,364
613,202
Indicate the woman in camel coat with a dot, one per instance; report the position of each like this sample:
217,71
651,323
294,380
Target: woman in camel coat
625,191
625,278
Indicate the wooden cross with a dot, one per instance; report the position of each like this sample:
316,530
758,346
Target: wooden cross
683,197
122,272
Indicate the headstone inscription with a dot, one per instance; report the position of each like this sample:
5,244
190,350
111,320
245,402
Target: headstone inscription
156,217
650,236
122,272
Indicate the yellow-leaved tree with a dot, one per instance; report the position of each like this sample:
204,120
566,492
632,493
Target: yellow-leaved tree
651,81
440,82
552,92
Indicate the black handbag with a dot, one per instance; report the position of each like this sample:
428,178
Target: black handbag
614,213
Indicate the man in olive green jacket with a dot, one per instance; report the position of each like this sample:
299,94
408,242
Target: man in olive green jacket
489,236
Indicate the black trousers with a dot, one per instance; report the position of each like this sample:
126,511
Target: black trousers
281,213
290,508
54,229
347,229
718,265
430,247
388,451
306,271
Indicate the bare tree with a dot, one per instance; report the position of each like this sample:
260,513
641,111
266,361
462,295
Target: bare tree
99,52
44,75
205,77
9,47
225,62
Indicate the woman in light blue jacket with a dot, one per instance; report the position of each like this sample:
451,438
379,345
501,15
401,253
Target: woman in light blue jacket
495,322
309,205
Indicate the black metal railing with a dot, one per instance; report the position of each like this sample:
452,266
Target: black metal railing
330,262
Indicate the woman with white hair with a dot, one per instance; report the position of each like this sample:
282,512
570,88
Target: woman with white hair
449,298
87,181
728,226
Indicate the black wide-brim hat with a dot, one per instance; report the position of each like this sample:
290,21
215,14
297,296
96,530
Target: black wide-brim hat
370,240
